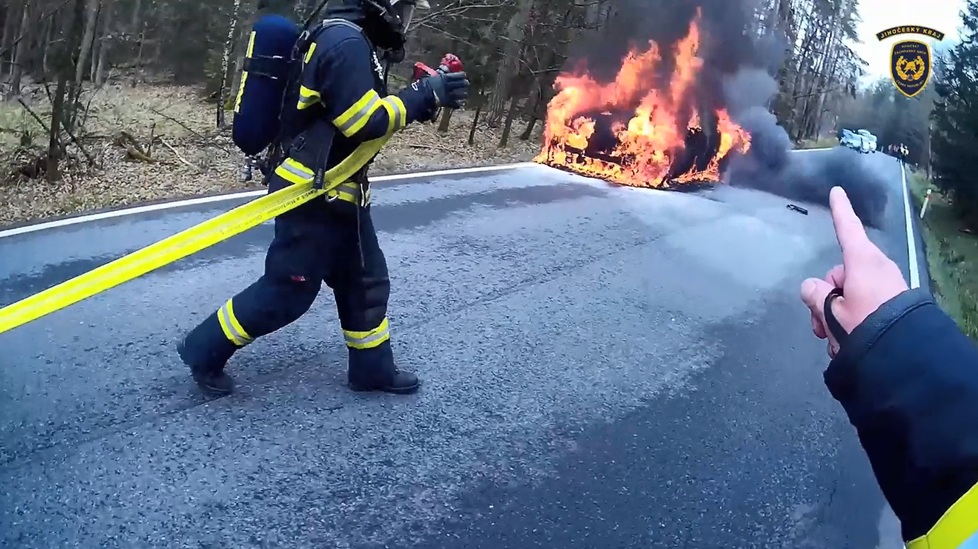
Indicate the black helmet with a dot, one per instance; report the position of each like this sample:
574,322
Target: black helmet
385,22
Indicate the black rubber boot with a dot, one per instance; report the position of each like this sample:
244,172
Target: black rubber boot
212,380
374,370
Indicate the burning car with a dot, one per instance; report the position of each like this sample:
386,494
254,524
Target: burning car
643,129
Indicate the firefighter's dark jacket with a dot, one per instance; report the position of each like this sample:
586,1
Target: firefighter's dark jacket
908,379
343,102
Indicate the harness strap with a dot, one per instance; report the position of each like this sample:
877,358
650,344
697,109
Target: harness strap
275,67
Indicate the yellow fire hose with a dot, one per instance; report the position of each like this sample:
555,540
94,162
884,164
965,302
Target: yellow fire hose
182,244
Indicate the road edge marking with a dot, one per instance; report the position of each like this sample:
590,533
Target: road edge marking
122,212
911,241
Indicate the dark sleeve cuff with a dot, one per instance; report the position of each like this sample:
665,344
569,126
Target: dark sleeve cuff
908,380
841,376
418,102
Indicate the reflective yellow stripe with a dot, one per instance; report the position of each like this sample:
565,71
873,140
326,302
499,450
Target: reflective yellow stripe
396,113
244,74
231,327
296,173
356,117
401,111
184,243
955,527
308,57
348,192
368,340
307,98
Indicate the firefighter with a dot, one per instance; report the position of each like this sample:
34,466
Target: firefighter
342,101
908,379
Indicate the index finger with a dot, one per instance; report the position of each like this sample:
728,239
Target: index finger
848,228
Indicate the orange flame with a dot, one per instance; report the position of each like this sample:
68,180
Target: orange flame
648,146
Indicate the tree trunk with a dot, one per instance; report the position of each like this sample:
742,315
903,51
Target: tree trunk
802,60
97,40
74,45
475,124
446,119
825,78
226,63
48,40
105,45
104,50
509,64
134,22
533,108
7,40
133,26
508,125
138,69
20,55
91,19
926,155
52,172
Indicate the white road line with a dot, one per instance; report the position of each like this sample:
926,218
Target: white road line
911,241
233,196
250,194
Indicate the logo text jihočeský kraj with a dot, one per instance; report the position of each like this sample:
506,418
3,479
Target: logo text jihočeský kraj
910,60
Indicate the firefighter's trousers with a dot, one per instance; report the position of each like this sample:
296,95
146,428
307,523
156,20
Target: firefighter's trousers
332,242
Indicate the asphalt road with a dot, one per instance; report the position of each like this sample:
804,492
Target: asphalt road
605,367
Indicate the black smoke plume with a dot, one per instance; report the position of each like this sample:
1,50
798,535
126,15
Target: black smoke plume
737,76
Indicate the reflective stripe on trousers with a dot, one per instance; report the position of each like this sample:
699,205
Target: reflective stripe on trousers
368,339
231,327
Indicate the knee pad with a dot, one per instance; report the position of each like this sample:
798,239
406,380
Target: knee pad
289,299
376,295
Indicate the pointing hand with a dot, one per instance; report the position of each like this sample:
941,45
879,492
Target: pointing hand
866,277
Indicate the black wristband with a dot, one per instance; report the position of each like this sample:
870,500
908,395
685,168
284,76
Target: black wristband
838,332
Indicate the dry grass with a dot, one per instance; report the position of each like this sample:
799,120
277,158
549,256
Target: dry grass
201,161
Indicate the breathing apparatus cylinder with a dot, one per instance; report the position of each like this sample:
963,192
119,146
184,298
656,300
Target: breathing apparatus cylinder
267,64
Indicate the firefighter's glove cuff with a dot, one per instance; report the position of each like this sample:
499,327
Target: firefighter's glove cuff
449,89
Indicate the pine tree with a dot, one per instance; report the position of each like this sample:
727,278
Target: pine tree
955,139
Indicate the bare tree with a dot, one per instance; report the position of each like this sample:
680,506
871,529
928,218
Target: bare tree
86,46
226,62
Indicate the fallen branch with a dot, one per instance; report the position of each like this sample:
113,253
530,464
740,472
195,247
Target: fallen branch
175,153
135,154
134,150
435,148
191,130
124,139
